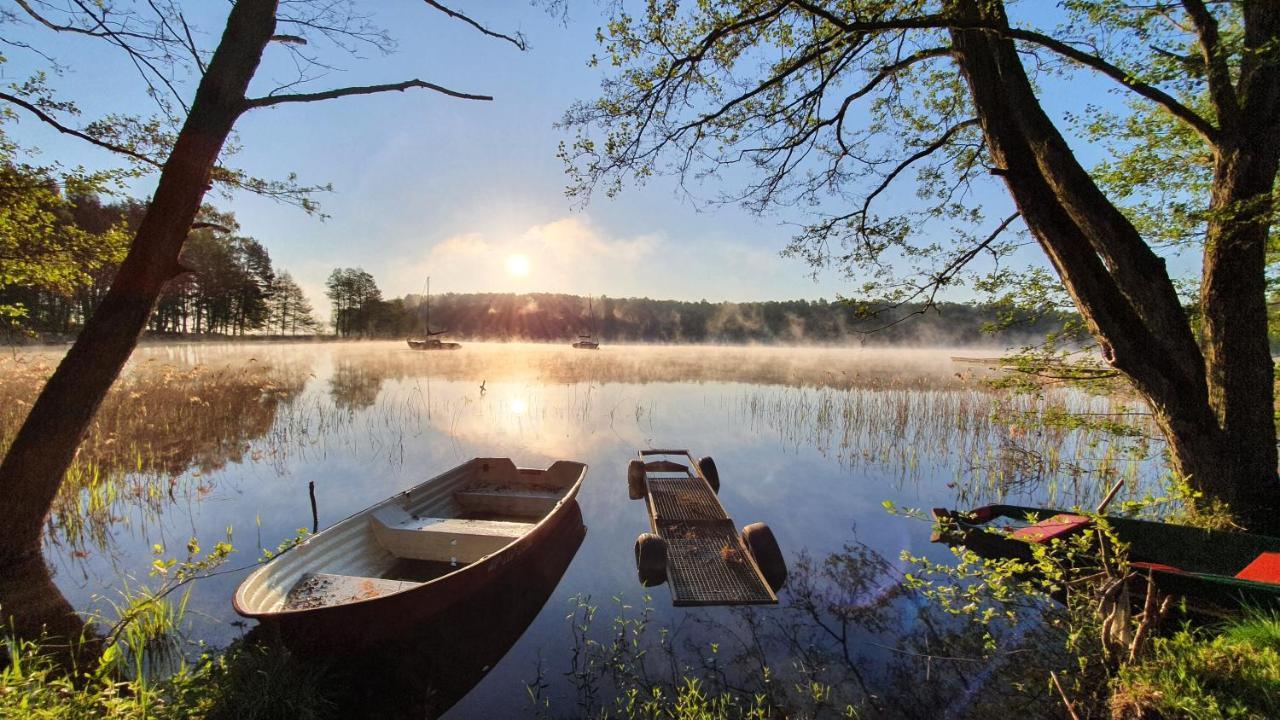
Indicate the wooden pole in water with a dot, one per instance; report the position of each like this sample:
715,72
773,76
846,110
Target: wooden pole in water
315,516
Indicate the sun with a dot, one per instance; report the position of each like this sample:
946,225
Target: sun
518,265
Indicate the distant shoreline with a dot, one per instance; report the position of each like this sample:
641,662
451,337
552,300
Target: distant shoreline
192,338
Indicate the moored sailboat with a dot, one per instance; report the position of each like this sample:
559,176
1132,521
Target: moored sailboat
429,341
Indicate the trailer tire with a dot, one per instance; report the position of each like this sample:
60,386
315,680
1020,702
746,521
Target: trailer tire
707,467
635,480
651,559
764,549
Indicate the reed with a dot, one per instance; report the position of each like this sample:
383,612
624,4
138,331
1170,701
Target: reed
161,434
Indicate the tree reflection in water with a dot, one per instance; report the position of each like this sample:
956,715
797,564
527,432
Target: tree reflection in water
355,385
848,639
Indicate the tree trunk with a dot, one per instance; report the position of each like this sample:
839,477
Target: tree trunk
1236,344
1216,407
45,446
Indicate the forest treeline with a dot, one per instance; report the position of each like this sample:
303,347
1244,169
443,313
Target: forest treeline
51,281
360,311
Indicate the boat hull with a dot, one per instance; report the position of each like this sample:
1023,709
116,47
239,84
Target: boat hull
1197,564
366,616
392,616
433,345
410,676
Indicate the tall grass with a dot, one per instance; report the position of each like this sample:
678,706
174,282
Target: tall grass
996,443
159,424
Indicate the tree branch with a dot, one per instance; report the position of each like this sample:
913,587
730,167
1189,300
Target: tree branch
518,40
270,100
920,154
944,22
1216,70
53,122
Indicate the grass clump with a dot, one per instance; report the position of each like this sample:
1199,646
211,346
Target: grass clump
246,682
1233,672
33,686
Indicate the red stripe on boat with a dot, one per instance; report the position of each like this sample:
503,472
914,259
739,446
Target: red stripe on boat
1051,528
1265,569
1158,567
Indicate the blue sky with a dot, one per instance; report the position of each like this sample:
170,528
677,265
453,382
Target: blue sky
429,185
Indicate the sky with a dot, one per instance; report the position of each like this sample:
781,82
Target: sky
427,185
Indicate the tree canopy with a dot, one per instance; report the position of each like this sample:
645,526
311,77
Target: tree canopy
837,105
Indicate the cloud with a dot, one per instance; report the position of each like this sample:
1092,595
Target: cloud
568,255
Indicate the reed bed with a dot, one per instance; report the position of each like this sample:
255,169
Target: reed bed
994,443
160,425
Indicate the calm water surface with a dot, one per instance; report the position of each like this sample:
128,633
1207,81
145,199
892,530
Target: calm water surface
810,441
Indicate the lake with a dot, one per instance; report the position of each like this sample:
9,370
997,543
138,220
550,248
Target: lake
202,440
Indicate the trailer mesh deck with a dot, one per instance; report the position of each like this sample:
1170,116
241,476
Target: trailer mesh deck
711,569
706,561
683,499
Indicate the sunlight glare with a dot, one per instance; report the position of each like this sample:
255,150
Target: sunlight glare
519,407
518,265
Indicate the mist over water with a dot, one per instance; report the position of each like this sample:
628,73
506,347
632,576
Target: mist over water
810,440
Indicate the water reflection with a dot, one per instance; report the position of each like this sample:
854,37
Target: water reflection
848,639
354,385
810,441
161,437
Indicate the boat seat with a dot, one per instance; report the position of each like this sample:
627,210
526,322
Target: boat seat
323,589
1265,569
520,502
1052,528
452,540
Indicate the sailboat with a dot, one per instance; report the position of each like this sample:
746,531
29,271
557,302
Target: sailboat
588,341
429,340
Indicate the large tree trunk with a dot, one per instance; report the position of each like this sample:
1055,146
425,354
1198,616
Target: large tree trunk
1216,407
44,447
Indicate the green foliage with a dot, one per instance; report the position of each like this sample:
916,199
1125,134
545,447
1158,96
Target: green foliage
358,308
46,258
247,682
1228,672
33,686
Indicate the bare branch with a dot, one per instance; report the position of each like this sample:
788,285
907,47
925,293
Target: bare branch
518,40
943,22
920,154
270,100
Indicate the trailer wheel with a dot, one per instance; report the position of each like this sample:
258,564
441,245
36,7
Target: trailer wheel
651,559
764,549
635,480
707,467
